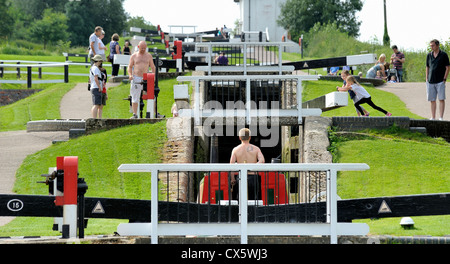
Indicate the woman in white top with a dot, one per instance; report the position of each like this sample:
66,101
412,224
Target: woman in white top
362,96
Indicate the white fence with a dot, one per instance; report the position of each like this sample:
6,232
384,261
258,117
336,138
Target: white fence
290,110
246,56
29,68
243,228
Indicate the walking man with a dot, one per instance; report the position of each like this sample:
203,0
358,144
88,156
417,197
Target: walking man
437,71
139,63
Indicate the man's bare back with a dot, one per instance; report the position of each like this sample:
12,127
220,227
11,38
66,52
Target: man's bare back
246,153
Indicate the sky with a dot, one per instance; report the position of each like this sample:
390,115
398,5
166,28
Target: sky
205,14
411,23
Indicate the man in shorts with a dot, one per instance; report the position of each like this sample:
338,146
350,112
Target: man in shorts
139,63
438,66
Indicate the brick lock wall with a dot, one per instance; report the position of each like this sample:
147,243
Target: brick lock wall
179,148
354,123
9,96
434,128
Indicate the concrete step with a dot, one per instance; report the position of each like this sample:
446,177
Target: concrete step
55,125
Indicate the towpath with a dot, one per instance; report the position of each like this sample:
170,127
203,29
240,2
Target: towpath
415,97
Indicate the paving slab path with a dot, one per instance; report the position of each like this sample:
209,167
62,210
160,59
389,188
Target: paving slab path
415,97
77,103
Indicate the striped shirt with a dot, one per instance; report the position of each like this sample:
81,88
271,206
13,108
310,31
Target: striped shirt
398,64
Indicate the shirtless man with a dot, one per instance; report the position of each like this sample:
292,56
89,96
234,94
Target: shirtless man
247,153
139,63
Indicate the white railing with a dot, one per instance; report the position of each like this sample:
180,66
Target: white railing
295,110
29,68
256,36
17,64
251,56
244,229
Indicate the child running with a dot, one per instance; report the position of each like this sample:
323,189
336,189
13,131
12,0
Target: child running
362,96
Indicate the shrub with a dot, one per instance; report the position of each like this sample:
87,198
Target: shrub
327,41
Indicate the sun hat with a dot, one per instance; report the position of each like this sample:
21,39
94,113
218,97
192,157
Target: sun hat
97,58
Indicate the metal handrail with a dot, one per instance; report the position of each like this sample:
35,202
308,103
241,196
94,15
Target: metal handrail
331,227
245,45
29,71
299,112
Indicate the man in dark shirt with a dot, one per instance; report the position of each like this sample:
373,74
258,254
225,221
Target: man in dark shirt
437,71
222,59
397,59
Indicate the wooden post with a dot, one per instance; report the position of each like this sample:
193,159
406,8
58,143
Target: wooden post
66,73
29,76
18,71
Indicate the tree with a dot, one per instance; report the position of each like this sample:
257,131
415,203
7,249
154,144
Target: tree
84,15
139,22
6,19
51,28
386,38
35,8
299,16
113,19
79,21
